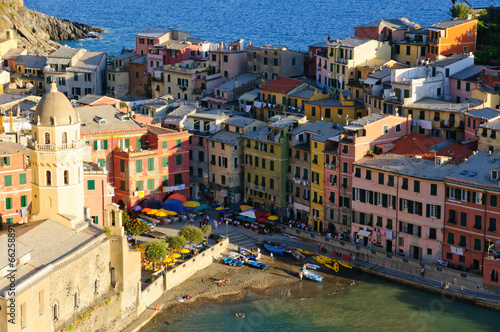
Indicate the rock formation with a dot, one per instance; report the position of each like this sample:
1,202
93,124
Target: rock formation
39,32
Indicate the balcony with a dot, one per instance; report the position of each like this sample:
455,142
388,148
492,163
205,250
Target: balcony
55,147
452,125
258,188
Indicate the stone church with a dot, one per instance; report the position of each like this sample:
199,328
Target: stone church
67,271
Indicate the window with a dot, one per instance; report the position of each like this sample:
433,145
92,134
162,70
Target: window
315,161
467,86
463,219
405,184
265,60
433,189
463,241
390,181
368,175
345,167
5,161
406,93
389,224
408,50
139,185
8,203
380,178
91,184
122,185
223,179
398,127
164,162
477,222
8,180
55,311
477,244
293,61
416,186
151,184
432,233
151,164
271,165
178,160
493,225
357,172
275,61
138,166
451,238
48,178
386,129
345,149
66,177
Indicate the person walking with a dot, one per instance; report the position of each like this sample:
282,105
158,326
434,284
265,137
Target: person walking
422,272
272,256
215,224
300,275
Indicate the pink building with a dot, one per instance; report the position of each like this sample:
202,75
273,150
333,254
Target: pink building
475,118
320,49
463,82
229,59
99,192
398,197
358,139
147,39
322,65
382,30
181,51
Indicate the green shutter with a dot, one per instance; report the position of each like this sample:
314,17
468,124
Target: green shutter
164,161
165,180
179,160
8,180
105,144
139,143
95,145
138,166
122,165
127,143
139,185
8,203
24,201
151,164
178,143
22,178
451,238
151,184
91,184
164,144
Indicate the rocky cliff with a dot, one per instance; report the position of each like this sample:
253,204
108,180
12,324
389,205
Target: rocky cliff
39,32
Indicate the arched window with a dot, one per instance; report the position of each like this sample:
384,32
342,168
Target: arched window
47,138
48,178
494,275
66,177
34,135
76,299
112,218
64,138
55,311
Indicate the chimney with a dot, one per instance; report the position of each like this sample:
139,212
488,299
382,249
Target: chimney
469,17
235,82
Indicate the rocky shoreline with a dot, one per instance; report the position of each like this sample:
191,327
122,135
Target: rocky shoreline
280,280
38,32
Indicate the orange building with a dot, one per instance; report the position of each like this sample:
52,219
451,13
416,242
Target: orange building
453,36
15,183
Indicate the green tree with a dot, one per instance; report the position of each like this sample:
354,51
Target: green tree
176,242
156,251
135,227
206,229
460,10
125,218
191,234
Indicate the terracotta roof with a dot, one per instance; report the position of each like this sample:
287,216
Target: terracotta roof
281,84
415,144
457,152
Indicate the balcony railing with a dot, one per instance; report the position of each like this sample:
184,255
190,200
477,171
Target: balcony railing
258,188
55,147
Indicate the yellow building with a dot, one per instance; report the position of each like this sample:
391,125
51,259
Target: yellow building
346,108
489,95
29,68
317,143
266,164
7,42
412,50
346,54
285,96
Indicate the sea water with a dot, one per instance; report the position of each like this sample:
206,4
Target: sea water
371,304
293,23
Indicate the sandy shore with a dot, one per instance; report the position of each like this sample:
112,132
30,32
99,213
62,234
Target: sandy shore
279,280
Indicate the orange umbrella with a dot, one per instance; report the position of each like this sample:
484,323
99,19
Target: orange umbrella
146,210
180,197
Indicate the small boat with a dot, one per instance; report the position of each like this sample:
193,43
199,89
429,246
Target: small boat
238,256
305,252
326,259
273,249
345,265
257,264
285,249
297,255
320,260
232,261
312,266
247,253
312,276
335,266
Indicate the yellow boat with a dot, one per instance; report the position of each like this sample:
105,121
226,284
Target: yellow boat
319,260
325,258
335,266
345,265
305,252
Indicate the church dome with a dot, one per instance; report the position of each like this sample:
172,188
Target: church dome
54,108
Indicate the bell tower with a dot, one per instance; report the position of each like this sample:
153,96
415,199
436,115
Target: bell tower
56,155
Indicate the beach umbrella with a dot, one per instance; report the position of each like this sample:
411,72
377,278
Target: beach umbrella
251,219
161,214
153,204
223,211
219,208
234,207
188,208
173,205
184,251
272,218
136,208
202,207
146,210
167,260
175,255
241,217
243,208
262,219
143,245
180,197
192,204
152,211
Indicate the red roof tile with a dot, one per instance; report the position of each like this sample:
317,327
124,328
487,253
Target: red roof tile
281,84
457,151
415,144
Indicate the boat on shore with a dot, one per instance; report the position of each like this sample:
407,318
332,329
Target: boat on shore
247,253
238,256
273,249
312,266
334,267
345,264
232,261
312,276
305,252
257,264
297,255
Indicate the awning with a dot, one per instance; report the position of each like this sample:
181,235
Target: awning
371,80
353,127
364,233
248,96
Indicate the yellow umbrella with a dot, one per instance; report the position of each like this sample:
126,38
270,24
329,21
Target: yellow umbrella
140,249
153,211
272,218
174,256
161,214
171,213
245,207
143,245
192,204
219,208
184,251
167,260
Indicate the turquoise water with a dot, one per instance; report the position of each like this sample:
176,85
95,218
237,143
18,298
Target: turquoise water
294,23
369,305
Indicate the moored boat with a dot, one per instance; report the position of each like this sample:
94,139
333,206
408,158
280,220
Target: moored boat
345,264
232,261
273,249
238,256
305,252
257,264
312,276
